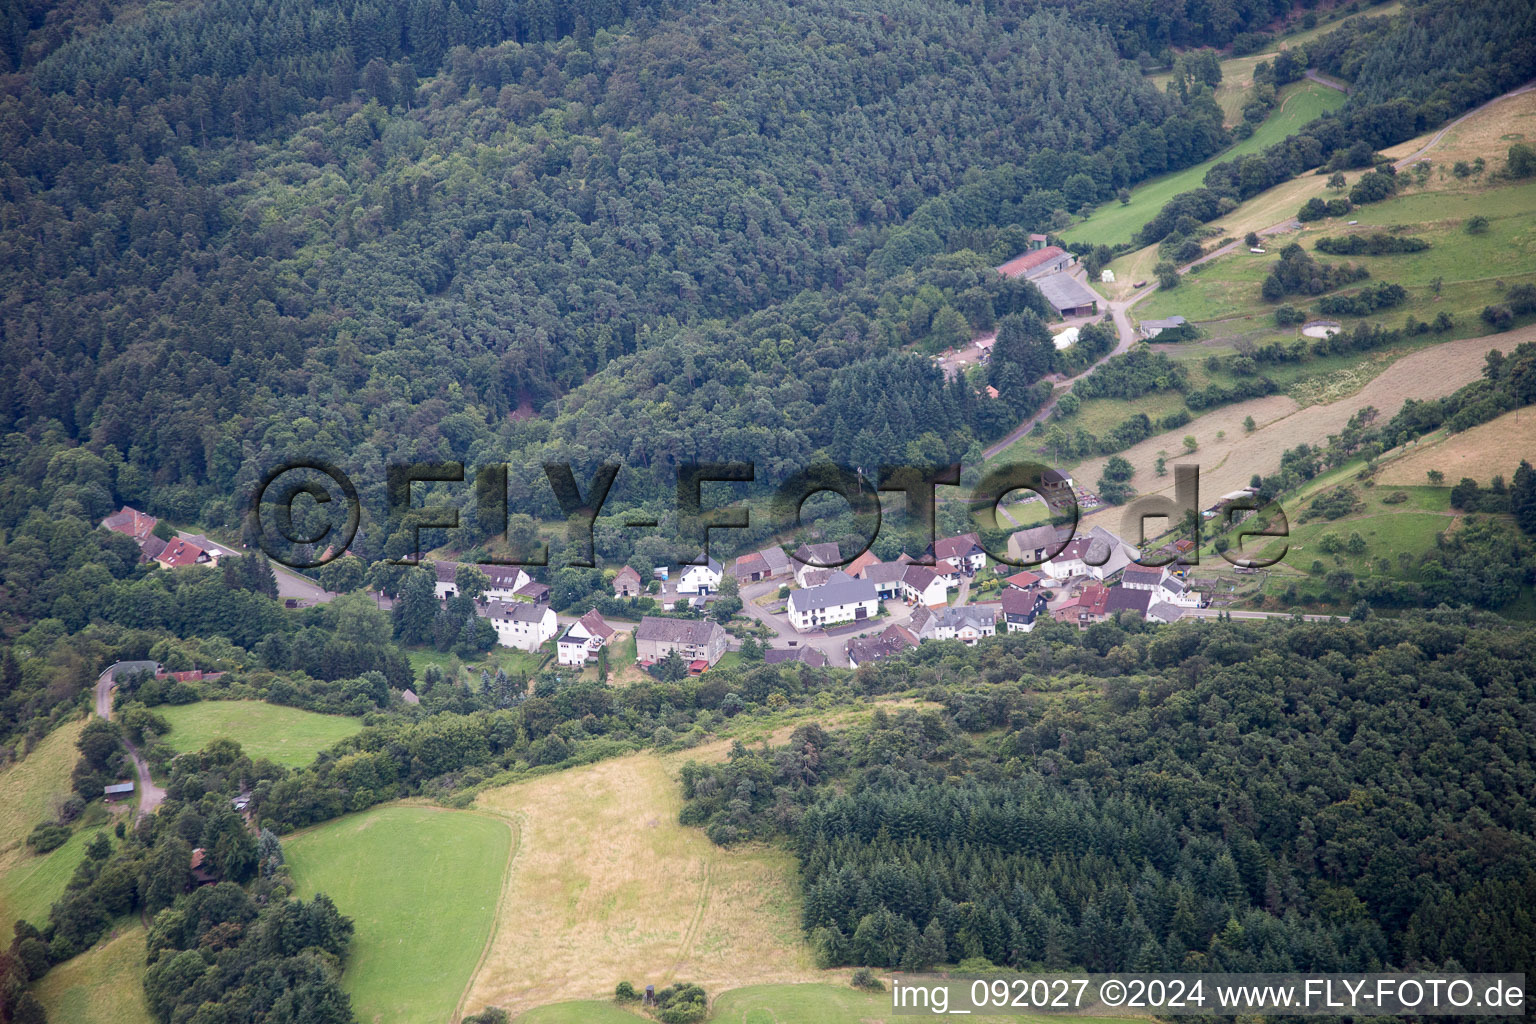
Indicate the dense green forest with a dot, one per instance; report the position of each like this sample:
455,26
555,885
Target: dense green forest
234,234
1264,798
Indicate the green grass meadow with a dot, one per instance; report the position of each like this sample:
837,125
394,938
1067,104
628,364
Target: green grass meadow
33,883
1113,223
422,885
284,735
101,986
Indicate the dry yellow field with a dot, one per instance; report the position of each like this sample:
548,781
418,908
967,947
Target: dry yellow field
607,886
1228,464
1492,449
1488,134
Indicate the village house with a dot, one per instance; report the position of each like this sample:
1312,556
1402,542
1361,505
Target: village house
627,583
131,523
858,565
1084,608
1021,607
533,592
804,655
694,640
1122,599
520,624
1162,611
583,639
815,556
179,552
921,585
1022,580
967,623
887,578
1033,544
699,579
889,643
838,600
505,581
1099,554
1163,585
965,550
767,564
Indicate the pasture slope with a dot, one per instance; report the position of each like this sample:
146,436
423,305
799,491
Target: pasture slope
286,736
1229,463
1491,449
101,986
608,886
422,885
30,792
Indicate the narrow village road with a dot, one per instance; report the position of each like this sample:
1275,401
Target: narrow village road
150,795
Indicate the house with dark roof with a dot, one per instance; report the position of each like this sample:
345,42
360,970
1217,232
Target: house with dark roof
887,578
1033,544
833,602
815,556
692,639
1152,328
966,550
700,579
892,641
966,623
627,583
520,624
921,585
1138,577
1067,295
503,581
1021,608
1123,599
786,655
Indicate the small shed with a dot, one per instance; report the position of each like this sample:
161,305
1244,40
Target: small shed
117,790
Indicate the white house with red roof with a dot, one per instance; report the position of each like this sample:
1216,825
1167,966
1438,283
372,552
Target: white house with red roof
583,639
179,552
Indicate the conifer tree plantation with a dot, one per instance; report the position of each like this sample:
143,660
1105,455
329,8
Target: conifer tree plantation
509,282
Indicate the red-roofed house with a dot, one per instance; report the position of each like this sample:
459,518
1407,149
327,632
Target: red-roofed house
1053,259
131,522
1086,608
179,552
583,639
1024,580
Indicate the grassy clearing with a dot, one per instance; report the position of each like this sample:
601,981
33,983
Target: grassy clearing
509,659
31,884
1224,295
607,886
1113,223
284,735
1488,134
1492,449
422,886
101,986
31,787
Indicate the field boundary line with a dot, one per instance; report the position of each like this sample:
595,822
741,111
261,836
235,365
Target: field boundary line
515,824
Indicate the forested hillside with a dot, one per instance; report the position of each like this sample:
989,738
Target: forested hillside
1271,797
233,231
